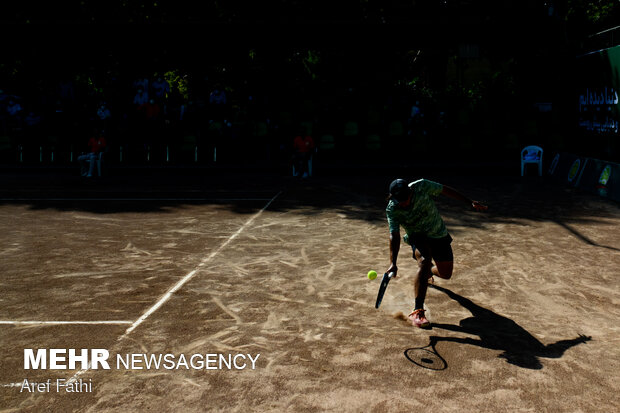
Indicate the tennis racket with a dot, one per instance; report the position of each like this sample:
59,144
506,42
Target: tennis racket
384,283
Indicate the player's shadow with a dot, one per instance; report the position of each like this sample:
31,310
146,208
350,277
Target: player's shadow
501,333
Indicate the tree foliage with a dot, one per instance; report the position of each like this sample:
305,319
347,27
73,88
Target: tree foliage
593,11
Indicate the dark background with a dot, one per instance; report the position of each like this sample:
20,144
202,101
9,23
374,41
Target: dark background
481,71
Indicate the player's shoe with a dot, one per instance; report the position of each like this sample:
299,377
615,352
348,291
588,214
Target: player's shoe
418,319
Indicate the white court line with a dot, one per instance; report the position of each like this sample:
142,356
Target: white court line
17,323
181,283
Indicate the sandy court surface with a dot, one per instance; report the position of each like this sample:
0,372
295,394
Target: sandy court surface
529,322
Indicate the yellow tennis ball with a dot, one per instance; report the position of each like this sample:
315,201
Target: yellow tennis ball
372,275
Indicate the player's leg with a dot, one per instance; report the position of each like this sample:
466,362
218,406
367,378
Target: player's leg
420,283
417,255
423,255
443,269
442,255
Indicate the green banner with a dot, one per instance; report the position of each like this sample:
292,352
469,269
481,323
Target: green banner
598,104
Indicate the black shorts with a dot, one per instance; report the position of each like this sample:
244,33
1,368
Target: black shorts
438,249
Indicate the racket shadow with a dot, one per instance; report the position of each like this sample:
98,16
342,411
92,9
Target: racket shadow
496,332
426,357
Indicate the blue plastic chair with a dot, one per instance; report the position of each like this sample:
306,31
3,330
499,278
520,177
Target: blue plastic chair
531,154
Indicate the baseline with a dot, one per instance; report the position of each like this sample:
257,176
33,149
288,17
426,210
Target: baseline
180,283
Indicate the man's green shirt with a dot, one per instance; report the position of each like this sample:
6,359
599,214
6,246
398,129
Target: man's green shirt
421,216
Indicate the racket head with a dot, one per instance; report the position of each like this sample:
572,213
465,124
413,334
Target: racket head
384,283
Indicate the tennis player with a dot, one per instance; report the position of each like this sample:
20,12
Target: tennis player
412,207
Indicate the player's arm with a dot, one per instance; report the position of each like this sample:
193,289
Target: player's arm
394,249
453,193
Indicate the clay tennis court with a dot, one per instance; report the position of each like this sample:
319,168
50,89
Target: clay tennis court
271,266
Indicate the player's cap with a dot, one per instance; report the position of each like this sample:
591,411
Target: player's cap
399,190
